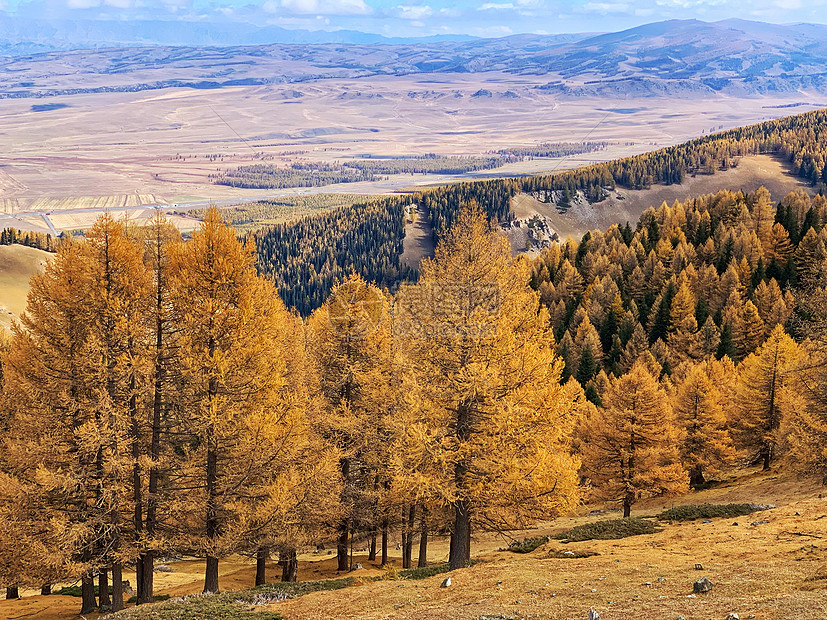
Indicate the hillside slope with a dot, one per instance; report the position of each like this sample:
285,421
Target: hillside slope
18,263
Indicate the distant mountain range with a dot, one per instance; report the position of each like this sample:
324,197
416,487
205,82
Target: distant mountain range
22,36
666,58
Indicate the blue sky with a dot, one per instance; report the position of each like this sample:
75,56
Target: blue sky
426,17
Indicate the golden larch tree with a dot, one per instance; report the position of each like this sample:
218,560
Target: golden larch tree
502,420
762,395
237,432
632,450
705,441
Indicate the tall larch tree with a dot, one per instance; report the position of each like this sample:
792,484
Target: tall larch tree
237,432
706,444
487,354
632,450
150,436
762,395
52,372
349,339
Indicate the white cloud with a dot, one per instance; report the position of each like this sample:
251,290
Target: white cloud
118,4
320,7
606,7
414,12
82,4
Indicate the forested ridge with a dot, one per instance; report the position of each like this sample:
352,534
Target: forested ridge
41,241
801,140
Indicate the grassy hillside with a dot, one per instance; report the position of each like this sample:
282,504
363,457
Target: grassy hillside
17,264
772,564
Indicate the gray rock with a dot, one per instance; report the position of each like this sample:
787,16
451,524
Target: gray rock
680,617
733,616
163,568
357,566
593,615
446,583
760,522
702,585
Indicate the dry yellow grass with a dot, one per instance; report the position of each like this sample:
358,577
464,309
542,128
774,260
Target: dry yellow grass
17,264
775,570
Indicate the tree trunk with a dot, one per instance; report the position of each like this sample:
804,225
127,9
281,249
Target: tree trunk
145,585
211,575
289,565
405,534
461,549
407,548
261,565
460,555
696,477
372,548
46,589
344,524
12,592
211,571
104,603
627,506
87,594
766,456
423,544
117,586
384,542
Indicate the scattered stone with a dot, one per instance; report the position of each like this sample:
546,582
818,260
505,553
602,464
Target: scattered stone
734,523
661,578
357,566
758,507
593,615
499,583
163,568
680,617
648,584
751,616
594,589
733,616
707,521
518,602
568,552
699,566
446,583
691,596
702,585
760,522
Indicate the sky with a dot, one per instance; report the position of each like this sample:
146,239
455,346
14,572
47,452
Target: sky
427,17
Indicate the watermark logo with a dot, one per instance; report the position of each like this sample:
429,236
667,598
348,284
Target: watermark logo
356,309
448,310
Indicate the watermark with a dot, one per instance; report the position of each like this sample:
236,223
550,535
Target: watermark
356,309
451,310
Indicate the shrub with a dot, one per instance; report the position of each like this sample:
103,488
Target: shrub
424,573
527,545
708,511
571,555
609,530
